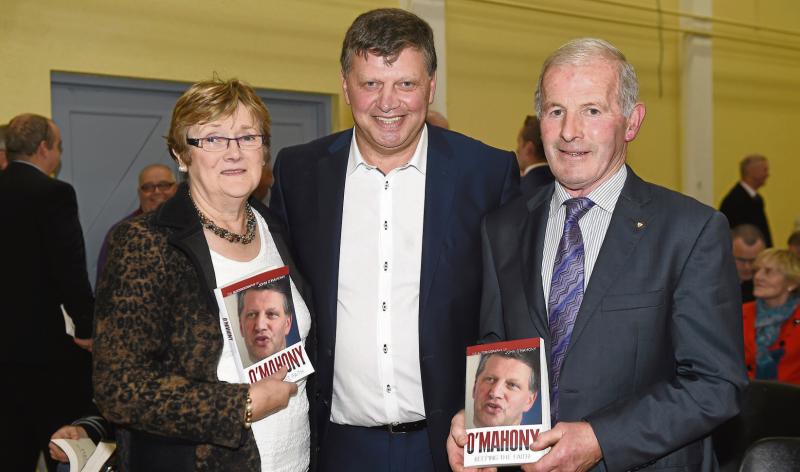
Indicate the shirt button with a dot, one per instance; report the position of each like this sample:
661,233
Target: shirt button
388,389
383,306
386,185
385,349
385,225
385,266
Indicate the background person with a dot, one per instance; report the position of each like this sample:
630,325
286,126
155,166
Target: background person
772,321
743,204
505,388
3,159
265,319
534,170
793,243
156,186
748,242
161,373
46,372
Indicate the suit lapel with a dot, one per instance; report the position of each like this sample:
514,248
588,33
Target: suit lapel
628,224
330,180
440,183
532,249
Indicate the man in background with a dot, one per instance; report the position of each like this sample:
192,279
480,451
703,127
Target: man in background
743,204
437,119
156,186
46,372
748,242
534,171
505,388
793,243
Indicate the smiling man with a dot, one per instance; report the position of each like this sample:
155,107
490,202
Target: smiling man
632,286
505,389
265,318
385,223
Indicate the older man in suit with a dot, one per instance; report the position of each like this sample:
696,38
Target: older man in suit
44,268
385,223
632,286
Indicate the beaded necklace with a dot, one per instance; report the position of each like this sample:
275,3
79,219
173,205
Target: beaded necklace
246,238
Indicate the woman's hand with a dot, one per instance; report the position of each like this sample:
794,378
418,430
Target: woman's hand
271,394
65,432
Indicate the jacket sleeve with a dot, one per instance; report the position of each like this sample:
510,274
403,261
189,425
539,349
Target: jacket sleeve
135,341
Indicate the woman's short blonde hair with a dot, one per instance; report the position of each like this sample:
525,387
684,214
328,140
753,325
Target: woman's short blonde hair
209,101
784,260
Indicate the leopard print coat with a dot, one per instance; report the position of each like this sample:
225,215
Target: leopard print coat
158,341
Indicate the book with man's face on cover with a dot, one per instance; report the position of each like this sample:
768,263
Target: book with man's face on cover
506,402
258,322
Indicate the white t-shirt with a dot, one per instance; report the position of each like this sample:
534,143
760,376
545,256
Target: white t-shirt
283,437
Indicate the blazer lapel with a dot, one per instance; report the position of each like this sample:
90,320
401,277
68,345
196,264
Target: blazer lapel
330,181
628,224
532,248
440,183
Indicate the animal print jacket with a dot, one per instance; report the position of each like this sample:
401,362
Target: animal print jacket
158,341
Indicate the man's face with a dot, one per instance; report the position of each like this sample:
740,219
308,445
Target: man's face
584,132
3,159
757,174
502,392
744,256
264,323
156,186
389,103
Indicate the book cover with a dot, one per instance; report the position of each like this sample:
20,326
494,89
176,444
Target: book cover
257,319
506,402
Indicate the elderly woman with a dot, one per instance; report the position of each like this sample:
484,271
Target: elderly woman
160,370
772,321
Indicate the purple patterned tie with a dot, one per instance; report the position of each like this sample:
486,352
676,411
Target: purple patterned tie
566,290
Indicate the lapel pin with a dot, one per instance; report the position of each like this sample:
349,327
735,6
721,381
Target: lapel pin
639,225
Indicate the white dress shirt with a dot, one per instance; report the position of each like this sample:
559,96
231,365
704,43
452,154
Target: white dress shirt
593,224
376,376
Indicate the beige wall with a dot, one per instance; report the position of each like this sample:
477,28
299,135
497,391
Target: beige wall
494,53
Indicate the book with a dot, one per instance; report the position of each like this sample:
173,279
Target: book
506,402
257,319
84,455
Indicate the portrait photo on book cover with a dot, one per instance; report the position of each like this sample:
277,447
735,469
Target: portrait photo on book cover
263,320
505,389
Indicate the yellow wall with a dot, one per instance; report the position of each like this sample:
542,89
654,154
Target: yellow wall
283,45
494,51
757,104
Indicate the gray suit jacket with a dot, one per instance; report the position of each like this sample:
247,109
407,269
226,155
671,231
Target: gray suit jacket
655,361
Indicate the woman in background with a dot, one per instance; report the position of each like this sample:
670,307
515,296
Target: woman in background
160,371
772,321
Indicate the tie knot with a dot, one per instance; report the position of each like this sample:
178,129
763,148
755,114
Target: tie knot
577,207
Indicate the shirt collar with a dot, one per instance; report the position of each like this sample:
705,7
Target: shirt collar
419,160
27,163
605,196
750,190
533,166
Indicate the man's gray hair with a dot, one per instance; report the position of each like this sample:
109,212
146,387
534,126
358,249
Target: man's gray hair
582,51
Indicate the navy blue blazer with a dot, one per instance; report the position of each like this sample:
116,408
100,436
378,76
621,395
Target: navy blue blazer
464,180
656,356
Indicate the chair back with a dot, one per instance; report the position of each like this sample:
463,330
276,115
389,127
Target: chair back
772,455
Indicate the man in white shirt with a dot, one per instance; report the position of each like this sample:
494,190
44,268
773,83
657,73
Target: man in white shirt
384,220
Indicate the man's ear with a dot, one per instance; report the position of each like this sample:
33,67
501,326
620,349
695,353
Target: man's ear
344,88
531,401
432,93
634,122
